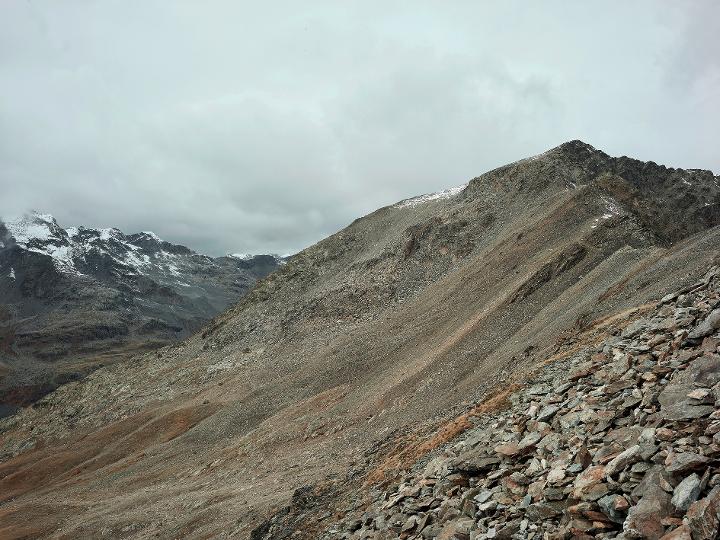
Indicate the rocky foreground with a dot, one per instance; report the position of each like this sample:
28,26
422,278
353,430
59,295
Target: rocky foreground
619,440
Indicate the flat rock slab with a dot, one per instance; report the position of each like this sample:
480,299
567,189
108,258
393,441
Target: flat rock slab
674,400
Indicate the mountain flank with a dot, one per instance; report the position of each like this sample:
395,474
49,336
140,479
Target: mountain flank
619,438
78,298
369,344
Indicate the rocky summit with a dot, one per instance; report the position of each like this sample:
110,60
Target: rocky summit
74,299
531,355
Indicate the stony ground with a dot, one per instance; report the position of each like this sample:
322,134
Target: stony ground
620,440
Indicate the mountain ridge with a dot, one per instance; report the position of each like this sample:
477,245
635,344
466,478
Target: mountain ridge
380,331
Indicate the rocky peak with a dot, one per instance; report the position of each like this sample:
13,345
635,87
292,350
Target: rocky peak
87,251
34,228
669,203
577,150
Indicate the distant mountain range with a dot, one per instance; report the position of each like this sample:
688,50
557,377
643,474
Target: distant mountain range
72,299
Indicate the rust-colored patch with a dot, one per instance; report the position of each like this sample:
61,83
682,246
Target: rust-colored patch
406,452
596,331
616,289
317,403
26,523
68,461
603,322
191,526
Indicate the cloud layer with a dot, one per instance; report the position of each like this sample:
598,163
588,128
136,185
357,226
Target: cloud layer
231,127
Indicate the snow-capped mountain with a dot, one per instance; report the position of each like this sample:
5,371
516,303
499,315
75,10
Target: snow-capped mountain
83,293
90,252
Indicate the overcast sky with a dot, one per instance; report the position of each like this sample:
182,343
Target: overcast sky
264,126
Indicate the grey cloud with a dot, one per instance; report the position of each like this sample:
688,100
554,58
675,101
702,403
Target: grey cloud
233,127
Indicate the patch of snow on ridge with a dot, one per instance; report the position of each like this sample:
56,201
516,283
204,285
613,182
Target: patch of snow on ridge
62,255
173,269
135,260
31,227
107,234
612,210
152,235
612,207
12,273
538,156
39,233
244,256
421,199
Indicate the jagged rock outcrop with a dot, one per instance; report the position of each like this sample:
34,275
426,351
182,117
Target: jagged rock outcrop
74,299
359,357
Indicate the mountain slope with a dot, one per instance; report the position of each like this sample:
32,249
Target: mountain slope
76,298
381,331
618,438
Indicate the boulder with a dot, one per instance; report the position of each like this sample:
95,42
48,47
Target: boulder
674,400
622,460
677,463
588,482
644,520
707,327
547,413
610,505
474,463
457,530
686,492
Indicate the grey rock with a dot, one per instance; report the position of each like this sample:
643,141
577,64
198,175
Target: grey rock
677,463
622,460
686,492
644,520
483,496
541,511
707,327
474,462
703,517
547,413
607,505
531,439
674,400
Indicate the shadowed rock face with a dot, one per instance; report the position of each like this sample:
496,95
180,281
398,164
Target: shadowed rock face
357,349
74,299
